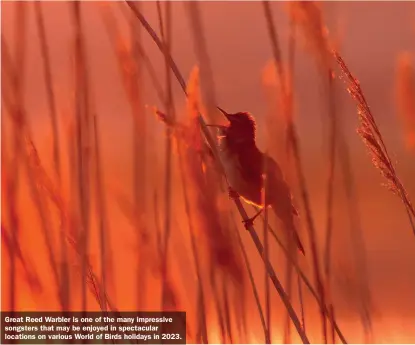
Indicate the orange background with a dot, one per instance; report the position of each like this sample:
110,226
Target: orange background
370,37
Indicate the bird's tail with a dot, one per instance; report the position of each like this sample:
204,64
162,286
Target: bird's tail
298,242
287,219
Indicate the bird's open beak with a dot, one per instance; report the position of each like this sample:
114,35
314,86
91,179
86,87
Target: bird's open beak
221,126
223,112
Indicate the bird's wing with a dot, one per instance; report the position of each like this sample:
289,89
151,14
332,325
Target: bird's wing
281,201
250,165
278,188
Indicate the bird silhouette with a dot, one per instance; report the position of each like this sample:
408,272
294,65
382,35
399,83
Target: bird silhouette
244,165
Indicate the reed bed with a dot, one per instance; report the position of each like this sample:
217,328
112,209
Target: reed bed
190,250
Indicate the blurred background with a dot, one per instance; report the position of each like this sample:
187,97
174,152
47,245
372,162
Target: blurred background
372,280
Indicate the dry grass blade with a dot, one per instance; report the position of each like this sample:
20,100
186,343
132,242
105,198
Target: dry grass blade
16,76
238,203
217,303
43,185
49,86
301,300
20,124
157,40
267,249
69,223
210,111
150,248
294,146
373,139
356,232
83,141
279,121
43,212
151,251
130,56
135,91
201,294
278,286
309,17
145,59
106,262
205,192
64,276
30,274
226,307
165,29
204,63
251,279
293,260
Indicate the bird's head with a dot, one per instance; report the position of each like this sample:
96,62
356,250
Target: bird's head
241,126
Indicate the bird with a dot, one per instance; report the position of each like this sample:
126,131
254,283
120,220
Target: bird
243,163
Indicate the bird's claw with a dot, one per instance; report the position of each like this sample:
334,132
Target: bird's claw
233,194
248,223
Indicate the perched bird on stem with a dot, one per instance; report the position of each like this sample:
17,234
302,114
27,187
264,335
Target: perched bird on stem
244,165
